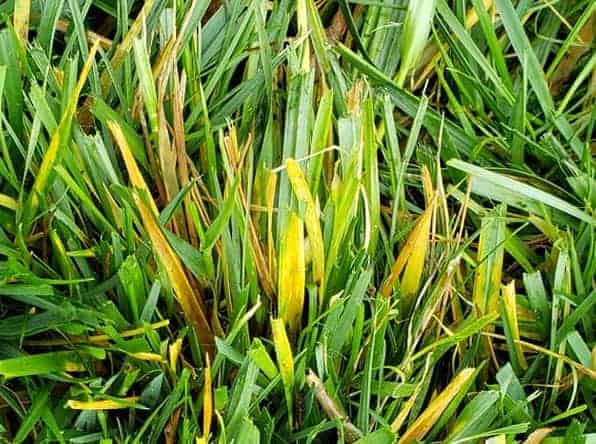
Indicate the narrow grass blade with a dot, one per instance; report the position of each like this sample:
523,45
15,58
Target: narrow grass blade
516,192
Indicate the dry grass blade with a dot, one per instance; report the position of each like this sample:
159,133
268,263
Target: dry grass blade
431,414
22,10
189,300
537,436
411,257
207,401
331,408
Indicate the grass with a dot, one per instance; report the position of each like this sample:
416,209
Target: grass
298,221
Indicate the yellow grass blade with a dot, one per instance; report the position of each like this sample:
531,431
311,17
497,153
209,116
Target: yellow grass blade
291,276
106,404
405,411
410,282
147,356
185,294
123,49
537,436
311,218
22,10
174,353
207,400
411,257
8,202
579,367
285,361
427,419
510,311
270,197
136,177
96,339
51,156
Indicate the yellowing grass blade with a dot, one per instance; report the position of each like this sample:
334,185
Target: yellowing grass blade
106,404
410,282
414,35
42,180
487,277
174,353
8,202
311,218
207,401
411,257
136,177
190,302
123,49
427,419
405,411
537,436
285,361
270,197
22,9
291,275
509,312
178,279
147,356
427,186
487,280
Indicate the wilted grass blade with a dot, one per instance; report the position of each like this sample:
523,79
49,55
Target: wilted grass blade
189,300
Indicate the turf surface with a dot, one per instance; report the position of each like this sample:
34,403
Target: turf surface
305,221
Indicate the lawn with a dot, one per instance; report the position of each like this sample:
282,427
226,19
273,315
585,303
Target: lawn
298,221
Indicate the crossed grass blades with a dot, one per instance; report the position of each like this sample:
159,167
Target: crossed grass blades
362,221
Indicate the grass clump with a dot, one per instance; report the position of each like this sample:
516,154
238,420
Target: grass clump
297,221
